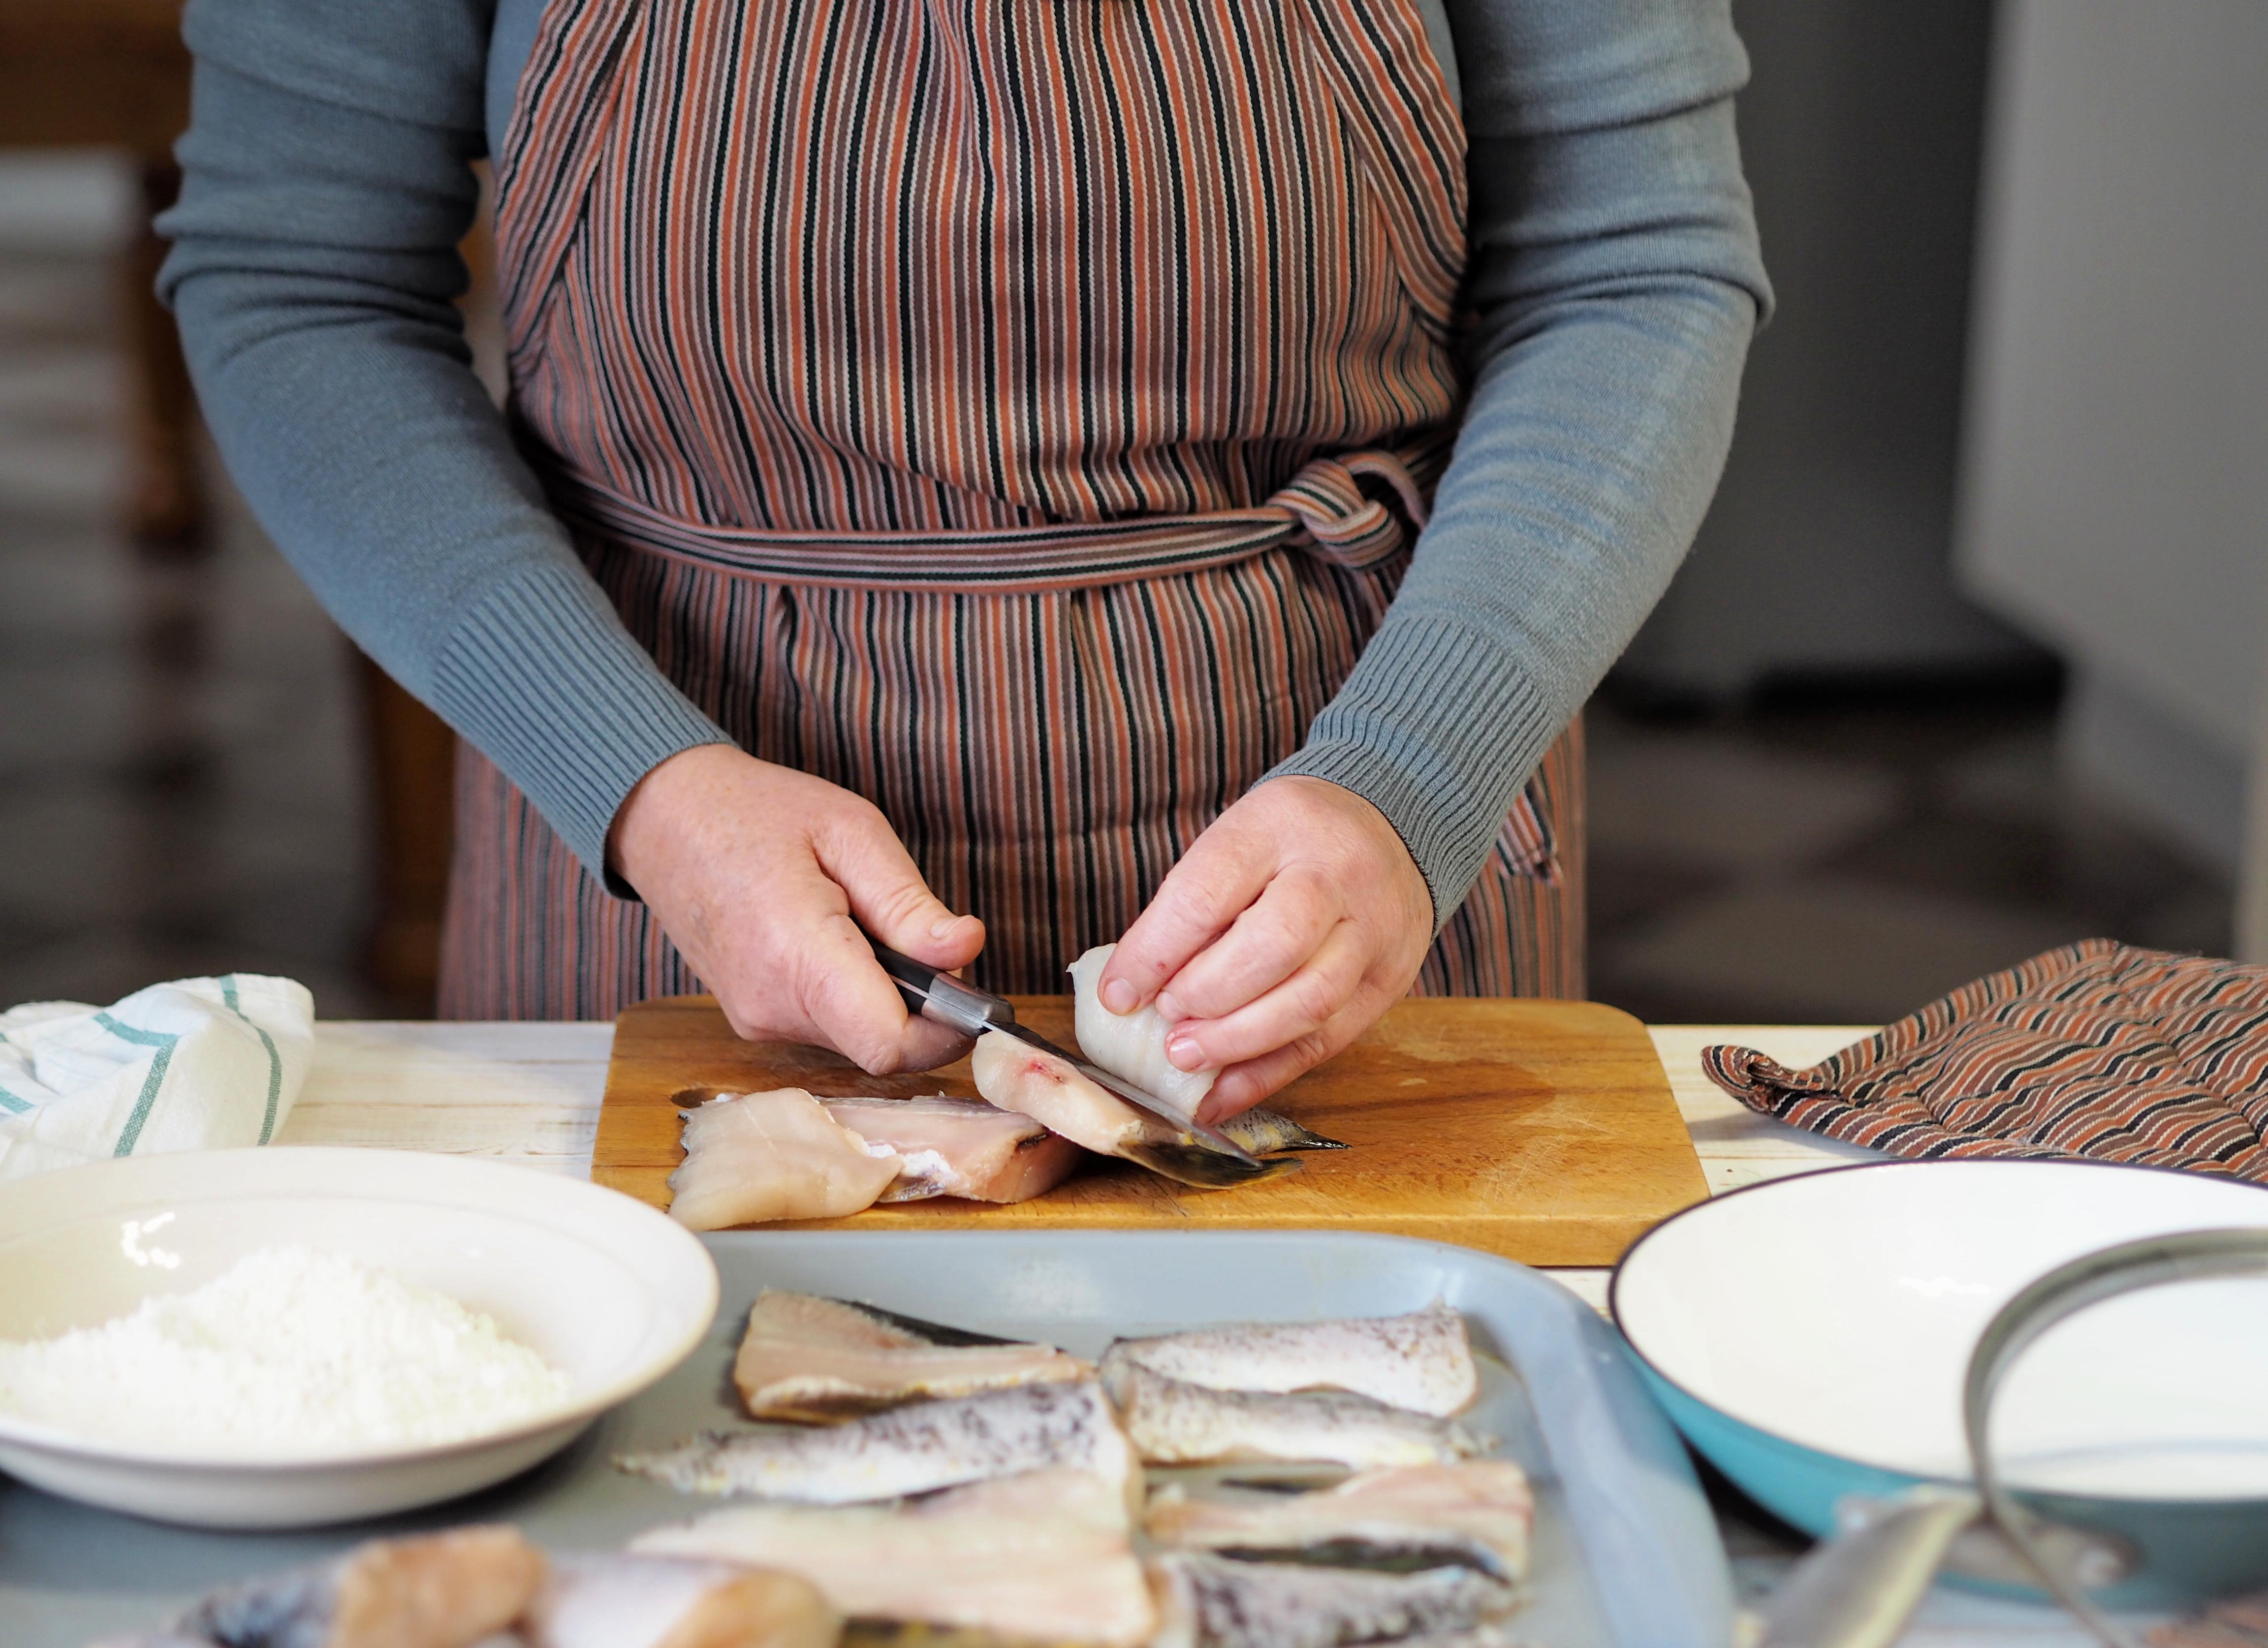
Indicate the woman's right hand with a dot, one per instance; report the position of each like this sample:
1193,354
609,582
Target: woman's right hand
756,871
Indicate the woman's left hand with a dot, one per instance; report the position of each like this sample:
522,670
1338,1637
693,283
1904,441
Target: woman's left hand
1284,933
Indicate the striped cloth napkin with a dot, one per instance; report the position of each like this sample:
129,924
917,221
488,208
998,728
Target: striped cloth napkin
196,1065
2097,1049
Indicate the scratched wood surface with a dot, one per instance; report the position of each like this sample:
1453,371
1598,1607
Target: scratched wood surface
1544,1132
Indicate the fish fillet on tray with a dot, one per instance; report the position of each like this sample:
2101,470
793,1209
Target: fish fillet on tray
973,1486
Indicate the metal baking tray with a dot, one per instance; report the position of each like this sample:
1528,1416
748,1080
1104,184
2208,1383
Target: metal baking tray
1626,1554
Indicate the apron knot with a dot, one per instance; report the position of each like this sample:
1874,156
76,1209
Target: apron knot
1349,525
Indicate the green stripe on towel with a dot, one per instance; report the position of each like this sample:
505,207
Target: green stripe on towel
275,1059
147,1098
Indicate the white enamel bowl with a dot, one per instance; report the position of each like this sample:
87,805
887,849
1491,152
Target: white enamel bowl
1810,1336
607,1289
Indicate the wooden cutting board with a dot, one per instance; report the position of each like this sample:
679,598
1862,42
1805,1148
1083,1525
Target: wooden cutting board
1541,1130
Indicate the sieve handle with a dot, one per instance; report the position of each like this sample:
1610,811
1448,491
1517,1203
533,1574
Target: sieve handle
2063,1292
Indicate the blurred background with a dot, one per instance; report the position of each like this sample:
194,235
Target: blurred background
1967,663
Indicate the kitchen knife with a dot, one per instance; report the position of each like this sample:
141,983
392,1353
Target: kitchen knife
945,999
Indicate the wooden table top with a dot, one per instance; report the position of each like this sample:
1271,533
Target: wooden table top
530,1092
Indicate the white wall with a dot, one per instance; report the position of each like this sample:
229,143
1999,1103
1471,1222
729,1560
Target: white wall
2114,496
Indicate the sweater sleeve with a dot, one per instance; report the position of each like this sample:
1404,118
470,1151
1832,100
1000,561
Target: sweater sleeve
326,183
1614,284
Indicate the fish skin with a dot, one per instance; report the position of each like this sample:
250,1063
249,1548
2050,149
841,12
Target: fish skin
753,1158
1481,1508
958,1147
615,1601
434,1591
1043,1557
1421,1361
903,1450
1264,1132
1018,1077
1210,1602
1171,1423
817,1361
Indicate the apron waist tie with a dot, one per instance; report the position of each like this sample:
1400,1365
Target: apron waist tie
1323,509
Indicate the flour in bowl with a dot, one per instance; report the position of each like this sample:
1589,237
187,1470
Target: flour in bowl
292,1351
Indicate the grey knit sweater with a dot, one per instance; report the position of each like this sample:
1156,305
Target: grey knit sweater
1614,279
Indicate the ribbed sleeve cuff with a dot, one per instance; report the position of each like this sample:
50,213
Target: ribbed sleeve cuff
1437,729
543,678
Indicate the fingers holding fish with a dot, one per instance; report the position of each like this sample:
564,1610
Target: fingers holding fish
1299,1005
1247,1084
1132,1045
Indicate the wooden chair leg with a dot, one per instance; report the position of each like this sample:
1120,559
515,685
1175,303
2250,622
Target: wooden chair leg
413,758
167,507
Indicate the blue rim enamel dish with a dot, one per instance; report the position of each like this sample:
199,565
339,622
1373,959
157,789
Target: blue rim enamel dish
1809,1337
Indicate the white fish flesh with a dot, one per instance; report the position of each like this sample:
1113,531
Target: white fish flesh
435,1591
1131,1046
1422,1361
753,1158
1045,1556
1210,1602
1481,1511
637,1601
1018,1077
819,1360
958,1147
1174,1424
907,1450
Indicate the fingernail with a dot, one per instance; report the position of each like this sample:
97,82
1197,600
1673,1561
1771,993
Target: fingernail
943,926
1184,1052
1170,1009
1119,996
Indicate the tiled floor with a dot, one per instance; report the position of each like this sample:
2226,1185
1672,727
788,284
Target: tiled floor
180,792
1843,858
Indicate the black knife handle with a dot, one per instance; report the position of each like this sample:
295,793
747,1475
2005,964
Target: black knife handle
940,997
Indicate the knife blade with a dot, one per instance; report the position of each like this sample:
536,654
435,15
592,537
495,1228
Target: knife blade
945,999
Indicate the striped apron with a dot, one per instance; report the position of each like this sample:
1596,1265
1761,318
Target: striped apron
1017,412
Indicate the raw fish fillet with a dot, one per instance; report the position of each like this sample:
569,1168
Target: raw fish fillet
1174,1424
1131,1046
1211,1603
1481,1511
821,1359
1422,1361
907,1450
437,1591
1016,1077
958,1147
676,1602
753,1158
1042,1557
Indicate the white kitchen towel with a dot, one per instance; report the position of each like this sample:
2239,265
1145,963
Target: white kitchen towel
200,1064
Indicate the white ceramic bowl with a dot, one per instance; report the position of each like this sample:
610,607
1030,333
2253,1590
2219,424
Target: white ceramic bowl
1837,1311
607,1289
